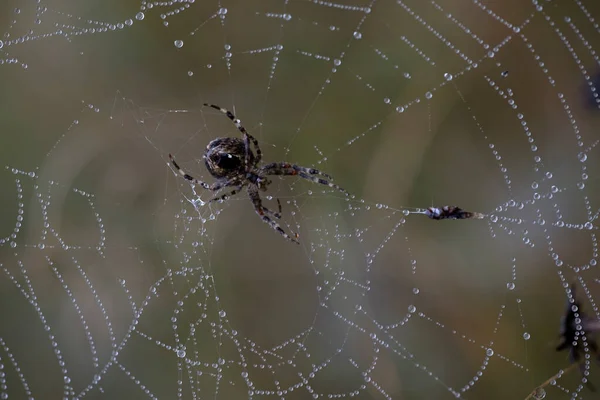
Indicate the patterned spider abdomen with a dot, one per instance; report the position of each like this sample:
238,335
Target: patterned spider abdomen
224,157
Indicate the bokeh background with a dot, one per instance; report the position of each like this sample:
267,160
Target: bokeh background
102,242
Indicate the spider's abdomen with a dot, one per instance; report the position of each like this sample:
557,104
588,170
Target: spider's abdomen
224,157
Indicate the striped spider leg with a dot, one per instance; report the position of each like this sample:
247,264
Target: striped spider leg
246,136
264,213
311,174
214,187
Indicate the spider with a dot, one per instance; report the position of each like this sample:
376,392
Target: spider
233,163
573,322
451,212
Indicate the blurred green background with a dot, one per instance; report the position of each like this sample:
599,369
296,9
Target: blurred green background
94,98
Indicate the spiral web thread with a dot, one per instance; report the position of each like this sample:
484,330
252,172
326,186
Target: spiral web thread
178,320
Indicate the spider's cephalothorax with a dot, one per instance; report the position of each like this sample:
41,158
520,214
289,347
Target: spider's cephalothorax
233,163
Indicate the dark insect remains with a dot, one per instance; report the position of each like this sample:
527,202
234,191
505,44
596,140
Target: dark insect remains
234,164
573,324
451,212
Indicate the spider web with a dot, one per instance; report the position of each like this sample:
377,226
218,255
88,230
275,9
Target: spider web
121,281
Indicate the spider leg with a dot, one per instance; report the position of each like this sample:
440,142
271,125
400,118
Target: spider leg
310,171
245,133
323,182
214,187
264,213
284,168
274,214
225,196
563,344
187,176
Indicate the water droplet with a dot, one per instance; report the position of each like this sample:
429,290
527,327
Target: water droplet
222,314
337,62
178,43
489,352
510,286
428,95
357,35
412,309
574,308
448,76
582,157
140,16
539,394
400,109
526,336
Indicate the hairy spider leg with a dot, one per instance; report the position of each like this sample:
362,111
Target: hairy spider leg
245,134
187,176
274,214
311,171
227,195
214,187
323,182
263,211
286,165
284,168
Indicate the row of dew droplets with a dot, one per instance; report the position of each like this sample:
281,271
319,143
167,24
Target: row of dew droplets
28,293
180,349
